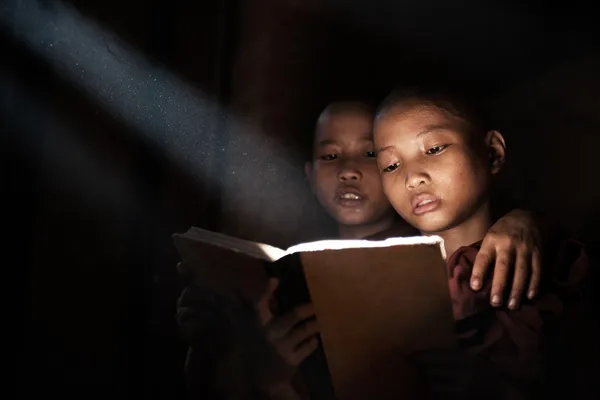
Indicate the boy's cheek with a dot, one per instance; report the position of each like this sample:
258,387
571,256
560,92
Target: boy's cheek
319,183
323,174
402,206
395,193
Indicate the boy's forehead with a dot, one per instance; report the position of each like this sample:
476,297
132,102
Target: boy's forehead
344,127
345,116
417,119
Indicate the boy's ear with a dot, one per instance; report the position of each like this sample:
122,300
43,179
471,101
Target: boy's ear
497,150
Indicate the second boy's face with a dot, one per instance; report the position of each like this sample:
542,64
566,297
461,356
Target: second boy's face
434,173
343,174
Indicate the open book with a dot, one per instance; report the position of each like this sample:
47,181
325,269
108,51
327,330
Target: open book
376,302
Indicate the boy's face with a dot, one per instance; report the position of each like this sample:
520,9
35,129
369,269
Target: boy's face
343,174
434,172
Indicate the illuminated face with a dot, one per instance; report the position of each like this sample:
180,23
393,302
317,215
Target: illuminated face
343,174
434,172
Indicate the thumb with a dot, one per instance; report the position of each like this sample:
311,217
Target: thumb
263,305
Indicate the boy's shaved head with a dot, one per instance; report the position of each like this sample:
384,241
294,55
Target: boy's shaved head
338,109
437,162
342,107
456,104
343,172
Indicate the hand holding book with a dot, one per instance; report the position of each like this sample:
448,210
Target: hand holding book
292,336
376,302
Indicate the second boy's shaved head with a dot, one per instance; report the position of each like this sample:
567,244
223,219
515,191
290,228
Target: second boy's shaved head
341,107
343,172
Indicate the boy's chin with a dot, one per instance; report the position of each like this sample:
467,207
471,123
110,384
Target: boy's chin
352,221
352,218
432,226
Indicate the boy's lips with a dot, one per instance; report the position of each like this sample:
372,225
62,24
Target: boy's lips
424,203
349,196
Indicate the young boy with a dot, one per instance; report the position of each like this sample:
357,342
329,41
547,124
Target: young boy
437,165
344,177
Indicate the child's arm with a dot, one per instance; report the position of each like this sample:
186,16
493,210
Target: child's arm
207,330
499,349
203,313
511,347
465,301
513,243
196,311
292,337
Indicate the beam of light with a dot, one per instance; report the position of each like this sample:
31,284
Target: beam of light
168,112
146,97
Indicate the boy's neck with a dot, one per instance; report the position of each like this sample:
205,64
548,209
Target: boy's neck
470,231
363,231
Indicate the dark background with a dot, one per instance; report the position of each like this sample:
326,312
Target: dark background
92,203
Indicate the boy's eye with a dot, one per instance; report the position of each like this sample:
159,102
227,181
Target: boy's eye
329,157
392,167
437,149
370,154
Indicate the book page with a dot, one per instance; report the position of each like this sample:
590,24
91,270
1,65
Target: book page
222,265
257,250
341,244
376,301
270,253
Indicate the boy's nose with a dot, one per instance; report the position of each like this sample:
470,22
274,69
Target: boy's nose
349,173
416,179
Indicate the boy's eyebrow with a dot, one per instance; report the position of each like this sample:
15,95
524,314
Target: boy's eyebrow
384,149
428,129
432,128
326,142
